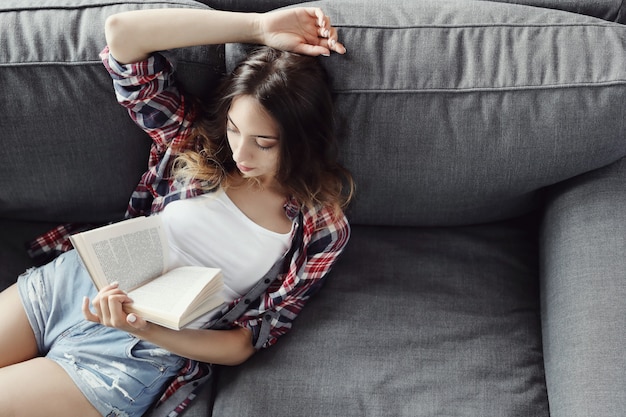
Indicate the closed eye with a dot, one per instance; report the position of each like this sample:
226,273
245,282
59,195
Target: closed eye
265,143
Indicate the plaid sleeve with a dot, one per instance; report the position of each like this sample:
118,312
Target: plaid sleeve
54,242
325,237
148,90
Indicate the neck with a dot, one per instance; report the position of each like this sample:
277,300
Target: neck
255,184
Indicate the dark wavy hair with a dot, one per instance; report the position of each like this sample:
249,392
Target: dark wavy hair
294,90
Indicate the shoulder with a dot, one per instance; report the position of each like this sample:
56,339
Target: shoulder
325,229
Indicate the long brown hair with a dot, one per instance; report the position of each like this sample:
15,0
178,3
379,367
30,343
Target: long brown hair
294,90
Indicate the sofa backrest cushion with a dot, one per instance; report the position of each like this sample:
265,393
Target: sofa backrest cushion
457,112
69,151
611,10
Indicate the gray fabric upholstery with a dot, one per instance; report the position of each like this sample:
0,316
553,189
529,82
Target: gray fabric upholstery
451,113
477,104
62,96
14,236
69,151
583,286
611,10
413,322
469,111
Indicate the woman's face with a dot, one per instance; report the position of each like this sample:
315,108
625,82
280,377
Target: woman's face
253,137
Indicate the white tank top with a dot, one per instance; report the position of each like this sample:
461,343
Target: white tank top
210,230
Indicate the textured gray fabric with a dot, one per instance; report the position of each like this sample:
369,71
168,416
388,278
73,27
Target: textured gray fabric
583,285
452,112
611,10
412,322
478,104
13,237
59,111
481,105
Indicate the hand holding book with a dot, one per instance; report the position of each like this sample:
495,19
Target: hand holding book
133,255
109,307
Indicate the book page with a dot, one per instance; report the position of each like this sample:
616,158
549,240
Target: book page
131,259
174,292
131,252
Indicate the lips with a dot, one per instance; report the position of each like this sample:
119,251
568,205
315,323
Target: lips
244,168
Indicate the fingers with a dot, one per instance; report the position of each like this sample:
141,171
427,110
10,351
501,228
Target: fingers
333,44
330,38
136,322
321,17
304,30
87,311
327,33
323,32
108,306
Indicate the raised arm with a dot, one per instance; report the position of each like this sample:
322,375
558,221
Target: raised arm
132,36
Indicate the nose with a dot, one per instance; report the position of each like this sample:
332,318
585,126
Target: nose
241,150
236,148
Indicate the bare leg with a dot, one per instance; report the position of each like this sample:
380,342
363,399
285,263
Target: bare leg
40,387
17,341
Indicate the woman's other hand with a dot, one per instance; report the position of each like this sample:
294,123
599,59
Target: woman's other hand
304,30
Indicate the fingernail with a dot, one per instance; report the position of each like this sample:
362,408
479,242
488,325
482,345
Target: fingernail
131,318
332,43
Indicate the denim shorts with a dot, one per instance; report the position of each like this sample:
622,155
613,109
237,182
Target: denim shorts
119,374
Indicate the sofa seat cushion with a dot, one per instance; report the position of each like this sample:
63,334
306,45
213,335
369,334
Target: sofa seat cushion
412,322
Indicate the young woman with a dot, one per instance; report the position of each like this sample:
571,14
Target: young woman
249,184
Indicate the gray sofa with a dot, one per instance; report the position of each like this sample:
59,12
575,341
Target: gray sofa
486,274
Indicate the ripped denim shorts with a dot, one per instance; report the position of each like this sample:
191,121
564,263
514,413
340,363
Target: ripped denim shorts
119,374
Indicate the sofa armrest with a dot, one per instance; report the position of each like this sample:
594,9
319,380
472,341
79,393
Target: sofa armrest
583,293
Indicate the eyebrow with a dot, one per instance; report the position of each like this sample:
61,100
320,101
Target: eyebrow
256,136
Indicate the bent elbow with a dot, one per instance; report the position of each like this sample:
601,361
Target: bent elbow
243,356
122,38
112,28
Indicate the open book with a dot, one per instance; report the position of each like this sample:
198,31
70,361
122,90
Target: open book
134,253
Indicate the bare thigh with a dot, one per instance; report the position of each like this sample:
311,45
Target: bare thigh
40,387
17,340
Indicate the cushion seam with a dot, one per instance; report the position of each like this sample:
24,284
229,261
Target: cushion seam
484,89
484,25
75,63
97,6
